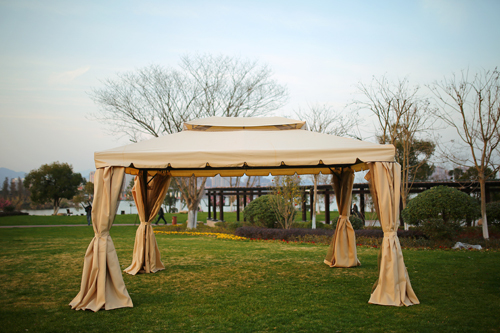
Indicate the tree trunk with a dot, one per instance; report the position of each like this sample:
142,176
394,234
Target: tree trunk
192,194
192,220
56,206
482,183
315,200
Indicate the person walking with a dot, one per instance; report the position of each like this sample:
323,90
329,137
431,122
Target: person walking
161,215
88,210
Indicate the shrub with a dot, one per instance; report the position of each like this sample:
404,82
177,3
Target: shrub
6,205
448,204
315,235
356,223
259,212
308,225
493,212
280,234
437,229
231,226
440,211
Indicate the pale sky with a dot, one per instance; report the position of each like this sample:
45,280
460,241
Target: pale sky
53,52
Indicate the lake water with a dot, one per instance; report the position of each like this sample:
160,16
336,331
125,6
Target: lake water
128,207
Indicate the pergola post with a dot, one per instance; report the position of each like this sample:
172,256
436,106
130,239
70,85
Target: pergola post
209,206
304,207
244,203
221,205
327,206
237,206
362,202
311,203
214,198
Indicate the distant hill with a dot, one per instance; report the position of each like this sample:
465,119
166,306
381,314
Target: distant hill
4,172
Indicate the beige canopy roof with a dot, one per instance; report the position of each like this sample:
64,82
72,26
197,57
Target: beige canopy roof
237,146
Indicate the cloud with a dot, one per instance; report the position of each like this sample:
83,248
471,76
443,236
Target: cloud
67,77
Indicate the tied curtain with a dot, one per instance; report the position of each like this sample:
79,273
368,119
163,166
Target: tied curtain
342,251
148,193
102,283
393,286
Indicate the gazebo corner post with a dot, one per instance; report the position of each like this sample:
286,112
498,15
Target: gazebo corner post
102,285
146,257
342,251
393,285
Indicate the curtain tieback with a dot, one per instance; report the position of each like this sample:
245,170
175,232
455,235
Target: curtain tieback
391,234
146,223
342,217
101,234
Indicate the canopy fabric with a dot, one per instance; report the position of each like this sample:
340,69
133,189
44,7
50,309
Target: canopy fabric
393,286
342,251
210,152
235,123
102,283
146,257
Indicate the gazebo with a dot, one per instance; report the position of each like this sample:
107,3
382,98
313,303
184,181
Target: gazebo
235,147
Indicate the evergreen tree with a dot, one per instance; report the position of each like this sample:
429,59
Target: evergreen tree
5,188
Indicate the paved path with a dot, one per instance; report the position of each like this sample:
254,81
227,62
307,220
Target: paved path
61,225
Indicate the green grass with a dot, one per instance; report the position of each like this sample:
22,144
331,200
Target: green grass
212,285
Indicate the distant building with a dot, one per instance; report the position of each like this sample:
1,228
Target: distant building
440,174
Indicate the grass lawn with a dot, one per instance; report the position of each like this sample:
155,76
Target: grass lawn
213,285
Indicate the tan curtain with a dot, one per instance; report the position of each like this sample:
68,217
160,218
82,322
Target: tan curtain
146,257
102,281
393,286
342,251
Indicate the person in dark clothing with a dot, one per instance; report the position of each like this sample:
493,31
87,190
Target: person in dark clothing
161,216
88,210
355,210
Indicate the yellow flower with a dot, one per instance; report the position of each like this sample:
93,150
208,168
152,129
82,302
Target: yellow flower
194,233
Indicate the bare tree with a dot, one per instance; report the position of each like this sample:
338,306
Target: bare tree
154,101
472,107
232,87
323,118
401,114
